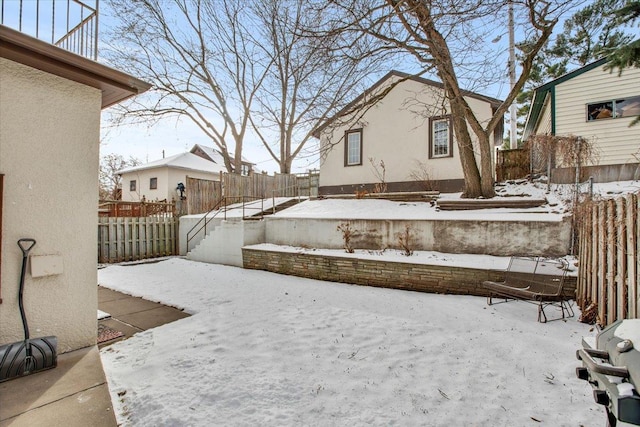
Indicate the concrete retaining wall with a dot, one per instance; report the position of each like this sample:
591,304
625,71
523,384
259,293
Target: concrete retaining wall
379,273
500,238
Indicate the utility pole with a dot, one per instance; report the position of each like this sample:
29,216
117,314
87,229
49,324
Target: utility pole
513,141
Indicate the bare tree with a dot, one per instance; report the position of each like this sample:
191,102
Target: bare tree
307,80
109,180
452,38
199,56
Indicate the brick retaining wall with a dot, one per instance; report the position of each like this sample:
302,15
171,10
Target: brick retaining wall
379,273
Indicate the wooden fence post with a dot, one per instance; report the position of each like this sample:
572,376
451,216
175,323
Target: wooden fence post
621,258
601,264
610,249
633,254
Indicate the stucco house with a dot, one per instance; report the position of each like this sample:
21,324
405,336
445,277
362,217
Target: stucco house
408,128
159,179
596,104
50,105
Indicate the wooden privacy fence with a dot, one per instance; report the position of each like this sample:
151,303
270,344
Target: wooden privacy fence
204,195
609,269
512,164
130,239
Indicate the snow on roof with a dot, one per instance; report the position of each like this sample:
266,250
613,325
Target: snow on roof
215,155
187,161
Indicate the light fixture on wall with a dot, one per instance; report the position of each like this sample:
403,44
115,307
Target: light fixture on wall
180,188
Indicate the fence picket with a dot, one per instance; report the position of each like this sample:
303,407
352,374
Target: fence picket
621,268
128,239
611,266
608,273
602,259
633,254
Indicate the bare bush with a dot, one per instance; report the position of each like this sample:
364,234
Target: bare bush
347,234
380,172
406,240
422,174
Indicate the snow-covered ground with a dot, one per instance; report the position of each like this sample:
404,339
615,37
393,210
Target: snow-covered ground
272,350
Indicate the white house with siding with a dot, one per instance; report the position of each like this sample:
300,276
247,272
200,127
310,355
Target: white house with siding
408,127
599,105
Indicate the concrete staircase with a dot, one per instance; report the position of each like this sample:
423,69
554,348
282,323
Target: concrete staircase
224,241
223,244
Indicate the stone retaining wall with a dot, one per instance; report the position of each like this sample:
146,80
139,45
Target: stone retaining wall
379,273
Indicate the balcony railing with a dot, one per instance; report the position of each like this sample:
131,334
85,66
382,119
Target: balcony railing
69,24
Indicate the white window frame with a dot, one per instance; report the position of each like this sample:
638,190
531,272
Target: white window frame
435,151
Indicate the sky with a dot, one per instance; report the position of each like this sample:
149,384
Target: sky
174,136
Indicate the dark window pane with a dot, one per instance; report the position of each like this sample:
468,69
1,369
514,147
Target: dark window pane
599,111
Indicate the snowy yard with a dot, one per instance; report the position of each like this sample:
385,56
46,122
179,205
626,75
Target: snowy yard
272,350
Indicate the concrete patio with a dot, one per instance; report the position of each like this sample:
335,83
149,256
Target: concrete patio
75,393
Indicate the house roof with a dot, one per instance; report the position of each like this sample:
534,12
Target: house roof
495,103
186,161
115,85
540,94
215,155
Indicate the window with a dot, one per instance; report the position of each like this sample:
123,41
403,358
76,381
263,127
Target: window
132,185
245,169
353,147
623,107
440,137
153,183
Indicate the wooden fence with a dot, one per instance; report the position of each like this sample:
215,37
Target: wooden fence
512,164
609,269
135,238
118,208
204,195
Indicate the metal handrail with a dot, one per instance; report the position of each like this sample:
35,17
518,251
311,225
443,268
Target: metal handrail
223,202
206,221
273,195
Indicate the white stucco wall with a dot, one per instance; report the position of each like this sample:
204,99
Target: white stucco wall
396,130
49,142
168,179
615,140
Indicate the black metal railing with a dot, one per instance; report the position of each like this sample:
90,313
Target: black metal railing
221,208
69,24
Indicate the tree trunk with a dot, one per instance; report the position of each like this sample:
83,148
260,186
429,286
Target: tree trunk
472,182
486,165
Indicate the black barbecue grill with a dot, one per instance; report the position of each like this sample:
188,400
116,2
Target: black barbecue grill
612,368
